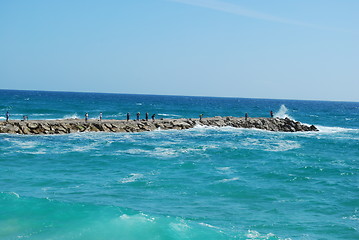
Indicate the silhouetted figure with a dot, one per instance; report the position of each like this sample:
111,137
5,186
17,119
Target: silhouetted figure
138,116
86,117
7,115
146,116
271,114
100,116
153,117
128,116
246,116
200,117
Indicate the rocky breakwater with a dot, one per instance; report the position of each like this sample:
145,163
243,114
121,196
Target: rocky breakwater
79,125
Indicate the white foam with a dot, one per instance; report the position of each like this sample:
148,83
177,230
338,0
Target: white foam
353,218
15,194
84,148
133,177
283,146
135,219
40,114
22,144
208,225
164,152
168,115
229,180
157,152
72,116
39,152
271,145
251,234
134,151
283,113
225,170
179,227
324,129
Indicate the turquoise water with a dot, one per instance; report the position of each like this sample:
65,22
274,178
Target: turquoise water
202,183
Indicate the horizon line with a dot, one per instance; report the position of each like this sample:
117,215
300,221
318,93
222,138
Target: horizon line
180,95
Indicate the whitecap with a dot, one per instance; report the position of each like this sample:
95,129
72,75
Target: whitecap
136,218
23,144
282,146
208,225
40,114
225,170
324,129
168,115
251,234
72,116
271,145
85,148
164,152
134,151
39,152
229,180
132,178
179,227
15,194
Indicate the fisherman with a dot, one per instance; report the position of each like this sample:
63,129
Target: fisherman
246,116
100,116
128,116
86,117
200,117
7,116
271,114
146,116
153,117
138,116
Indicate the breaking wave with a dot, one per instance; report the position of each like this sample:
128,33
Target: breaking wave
283,113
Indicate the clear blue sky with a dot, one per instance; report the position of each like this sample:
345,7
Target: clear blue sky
306,49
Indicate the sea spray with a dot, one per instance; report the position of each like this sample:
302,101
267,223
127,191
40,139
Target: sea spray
283,113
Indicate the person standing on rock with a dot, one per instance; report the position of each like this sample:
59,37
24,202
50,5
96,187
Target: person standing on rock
86,117
7,115
246,116
153,117
271,114
128,116
146,116
138,116
200,117
100,116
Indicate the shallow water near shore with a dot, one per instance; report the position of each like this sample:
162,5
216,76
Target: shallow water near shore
200,183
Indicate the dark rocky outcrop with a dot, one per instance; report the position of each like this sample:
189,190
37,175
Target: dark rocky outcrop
78,125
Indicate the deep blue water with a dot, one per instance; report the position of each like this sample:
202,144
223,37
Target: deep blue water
202,183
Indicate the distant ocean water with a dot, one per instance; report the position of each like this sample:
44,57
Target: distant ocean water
201,183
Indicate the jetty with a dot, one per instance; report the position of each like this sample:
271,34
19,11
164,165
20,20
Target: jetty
66,126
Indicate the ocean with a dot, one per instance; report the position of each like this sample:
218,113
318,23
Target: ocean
201,183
